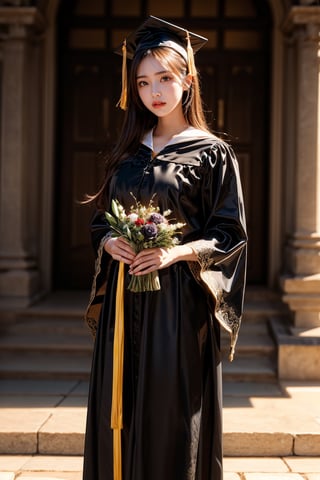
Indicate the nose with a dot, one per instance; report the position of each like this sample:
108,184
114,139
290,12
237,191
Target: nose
155,93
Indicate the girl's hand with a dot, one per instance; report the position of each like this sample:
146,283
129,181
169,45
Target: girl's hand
119,249
152,259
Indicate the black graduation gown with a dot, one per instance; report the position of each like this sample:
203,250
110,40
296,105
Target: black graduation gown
172,367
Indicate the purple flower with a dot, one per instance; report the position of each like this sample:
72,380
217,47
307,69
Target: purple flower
157,218
149,231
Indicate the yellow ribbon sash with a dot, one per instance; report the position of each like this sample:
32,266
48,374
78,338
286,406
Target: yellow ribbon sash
117,379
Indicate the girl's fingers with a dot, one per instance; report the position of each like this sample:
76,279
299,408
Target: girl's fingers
123,256
140,263
143,269
120,250
153,259
148,254
125,245
143,263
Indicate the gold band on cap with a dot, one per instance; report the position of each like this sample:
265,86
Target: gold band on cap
122,103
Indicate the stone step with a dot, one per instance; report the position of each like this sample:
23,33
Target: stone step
58,325
77,326
260,303
68,304
51,340
33,365
254,340
46,343
249,369
63,355
75,365
257,312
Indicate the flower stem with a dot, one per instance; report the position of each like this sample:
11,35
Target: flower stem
145,283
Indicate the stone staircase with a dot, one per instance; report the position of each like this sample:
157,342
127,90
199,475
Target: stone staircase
45,359
51,341
256,354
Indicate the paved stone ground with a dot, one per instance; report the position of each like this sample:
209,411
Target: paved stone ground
48,417
271,431
41,467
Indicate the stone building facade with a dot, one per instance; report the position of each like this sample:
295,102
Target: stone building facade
31,79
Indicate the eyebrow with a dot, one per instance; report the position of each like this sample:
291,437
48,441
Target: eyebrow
157,73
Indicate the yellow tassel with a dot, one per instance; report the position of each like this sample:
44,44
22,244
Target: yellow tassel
123,98
117,461
117,379
191,65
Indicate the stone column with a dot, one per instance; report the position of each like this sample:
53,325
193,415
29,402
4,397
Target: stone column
301,285
19,175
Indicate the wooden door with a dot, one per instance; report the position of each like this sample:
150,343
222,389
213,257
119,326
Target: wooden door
235,93
89,125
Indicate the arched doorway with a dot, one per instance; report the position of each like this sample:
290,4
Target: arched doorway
234,69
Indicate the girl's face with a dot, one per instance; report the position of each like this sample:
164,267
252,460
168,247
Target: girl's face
159,89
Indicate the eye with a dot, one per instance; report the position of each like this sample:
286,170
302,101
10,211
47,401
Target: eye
166,78
142,83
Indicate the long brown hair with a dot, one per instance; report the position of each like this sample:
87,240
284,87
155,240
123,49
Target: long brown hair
139,120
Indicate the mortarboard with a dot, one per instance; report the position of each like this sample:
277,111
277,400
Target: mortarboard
155,32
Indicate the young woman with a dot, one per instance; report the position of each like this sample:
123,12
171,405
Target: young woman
172,366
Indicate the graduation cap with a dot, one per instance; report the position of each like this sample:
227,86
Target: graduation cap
153,33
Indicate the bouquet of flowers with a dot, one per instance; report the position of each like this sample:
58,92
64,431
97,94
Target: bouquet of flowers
143,227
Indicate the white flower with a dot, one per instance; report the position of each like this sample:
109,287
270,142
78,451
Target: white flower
121,212
133,217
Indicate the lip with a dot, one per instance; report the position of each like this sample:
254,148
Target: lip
158,104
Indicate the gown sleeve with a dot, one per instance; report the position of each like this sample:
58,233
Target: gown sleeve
100,231
221,253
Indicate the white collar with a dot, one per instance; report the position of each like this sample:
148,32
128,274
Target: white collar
189,132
